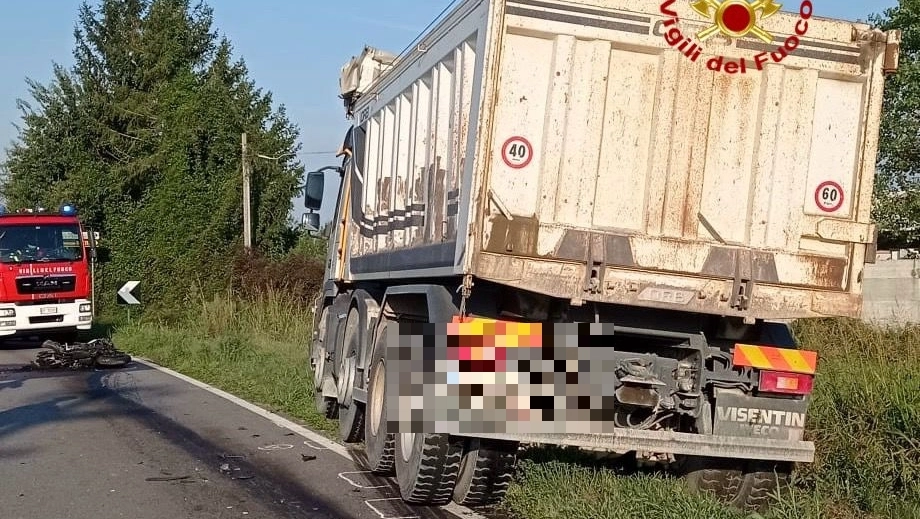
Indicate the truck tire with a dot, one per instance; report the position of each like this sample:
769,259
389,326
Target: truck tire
486,472
325,406
379,445
427,466
351,412
742,485
761,481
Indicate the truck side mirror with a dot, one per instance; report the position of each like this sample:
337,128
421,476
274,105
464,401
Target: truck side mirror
311,221
313,191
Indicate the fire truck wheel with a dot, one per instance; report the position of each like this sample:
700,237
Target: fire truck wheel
427,466
379,444
485,472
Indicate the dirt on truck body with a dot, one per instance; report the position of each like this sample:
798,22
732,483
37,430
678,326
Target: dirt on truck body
596,161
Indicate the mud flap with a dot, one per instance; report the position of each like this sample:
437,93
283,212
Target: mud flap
329,389
335,330
758,417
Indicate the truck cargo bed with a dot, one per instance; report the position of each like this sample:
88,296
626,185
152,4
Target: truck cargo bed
566,148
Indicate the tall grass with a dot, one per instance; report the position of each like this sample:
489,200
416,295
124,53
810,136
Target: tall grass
865,416
865,419
258,350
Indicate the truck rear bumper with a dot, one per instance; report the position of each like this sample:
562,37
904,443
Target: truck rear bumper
675,443
44,317
688,292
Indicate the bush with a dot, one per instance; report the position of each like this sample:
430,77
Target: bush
297,275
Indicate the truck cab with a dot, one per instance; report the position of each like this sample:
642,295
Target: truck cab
45,273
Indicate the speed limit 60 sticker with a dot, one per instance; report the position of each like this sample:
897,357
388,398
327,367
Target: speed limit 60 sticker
517,152
829,196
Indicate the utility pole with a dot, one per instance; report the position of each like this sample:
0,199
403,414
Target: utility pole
247,204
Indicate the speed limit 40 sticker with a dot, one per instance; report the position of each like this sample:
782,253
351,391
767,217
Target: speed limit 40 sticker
517,152
829,196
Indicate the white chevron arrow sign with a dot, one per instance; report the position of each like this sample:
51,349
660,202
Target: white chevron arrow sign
125,295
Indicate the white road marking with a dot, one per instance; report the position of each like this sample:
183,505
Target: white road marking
316,438
384,516
314,446
355,484
281,447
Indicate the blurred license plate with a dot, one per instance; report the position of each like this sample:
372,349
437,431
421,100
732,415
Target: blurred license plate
49,310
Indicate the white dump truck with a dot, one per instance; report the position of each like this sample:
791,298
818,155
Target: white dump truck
692,175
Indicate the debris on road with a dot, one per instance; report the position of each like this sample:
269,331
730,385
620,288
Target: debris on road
167,478
227,470
281,447
231,456
97,353
307,457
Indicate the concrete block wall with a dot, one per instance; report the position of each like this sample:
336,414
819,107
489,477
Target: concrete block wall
891,291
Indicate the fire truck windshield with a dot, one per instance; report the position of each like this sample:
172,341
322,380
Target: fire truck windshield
40,243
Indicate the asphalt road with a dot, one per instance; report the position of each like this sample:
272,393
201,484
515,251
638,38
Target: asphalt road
140,443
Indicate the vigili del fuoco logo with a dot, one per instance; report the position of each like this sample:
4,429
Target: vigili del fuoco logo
732,19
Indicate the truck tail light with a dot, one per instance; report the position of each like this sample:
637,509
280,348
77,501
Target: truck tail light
786,383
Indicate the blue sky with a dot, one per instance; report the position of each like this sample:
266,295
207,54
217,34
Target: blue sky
293,48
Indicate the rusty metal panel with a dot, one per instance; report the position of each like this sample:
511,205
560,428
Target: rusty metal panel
600,127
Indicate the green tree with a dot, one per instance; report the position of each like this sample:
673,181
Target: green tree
897,187
143,134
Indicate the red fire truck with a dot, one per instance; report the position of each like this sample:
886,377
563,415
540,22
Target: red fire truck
46,278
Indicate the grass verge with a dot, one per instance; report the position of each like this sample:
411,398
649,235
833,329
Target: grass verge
257,351
865,418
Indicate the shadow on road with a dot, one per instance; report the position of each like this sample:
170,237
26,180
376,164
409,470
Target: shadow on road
15,383
105,398
20,343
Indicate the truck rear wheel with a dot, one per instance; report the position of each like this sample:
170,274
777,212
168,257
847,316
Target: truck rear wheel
427,466
379,445
761,482
747,486
485,472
